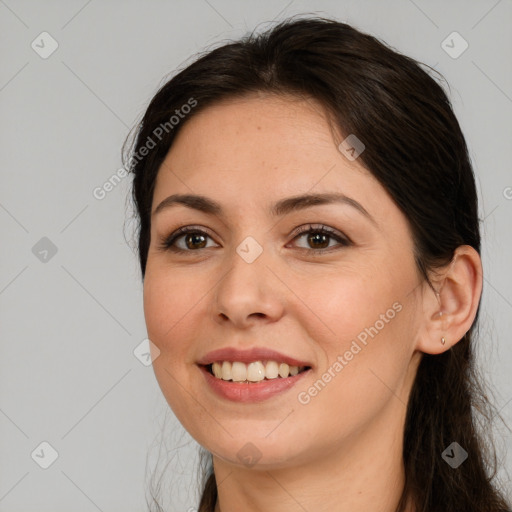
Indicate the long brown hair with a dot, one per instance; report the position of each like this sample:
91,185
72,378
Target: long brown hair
415,148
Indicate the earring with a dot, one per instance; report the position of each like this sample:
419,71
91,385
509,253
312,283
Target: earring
443,341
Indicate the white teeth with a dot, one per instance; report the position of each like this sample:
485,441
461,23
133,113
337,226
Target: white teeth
284,370
217,370
271,370
239,372
226,370
253,372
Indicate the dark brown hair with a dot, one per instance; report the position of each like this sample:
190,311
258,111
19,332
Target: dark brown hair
415,148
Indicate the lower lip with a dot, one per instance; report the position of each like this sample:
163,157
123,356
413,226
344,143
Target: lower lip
253,392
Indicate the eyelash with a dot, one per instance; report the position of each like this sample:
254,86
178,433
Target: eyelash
168,242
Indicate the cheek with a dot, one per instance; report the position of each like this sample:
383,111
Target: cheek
352,307
169,305
365,333
168,300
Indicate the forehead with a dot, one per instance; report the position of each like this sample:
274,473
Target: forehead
261,141
258,131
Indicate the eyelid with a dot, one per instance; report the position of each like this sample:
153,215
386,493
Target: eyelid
168,242
342,240
321,228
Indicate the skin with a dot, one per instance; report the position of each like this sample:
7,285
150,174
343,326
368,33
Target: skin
342,451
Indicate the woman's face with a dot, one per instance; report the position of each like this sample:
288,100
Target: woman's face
348,311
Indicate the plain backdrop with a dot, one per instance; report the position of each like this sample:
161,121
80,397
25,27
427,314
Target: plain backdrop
75,76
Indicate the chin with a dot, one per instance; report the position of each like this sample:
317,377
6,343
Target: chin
256,452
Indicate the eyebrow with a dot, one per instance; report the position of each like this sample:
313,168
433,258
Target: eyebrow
280,208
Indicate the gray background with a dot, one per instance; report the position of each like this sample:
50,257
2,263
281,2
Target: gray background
70,321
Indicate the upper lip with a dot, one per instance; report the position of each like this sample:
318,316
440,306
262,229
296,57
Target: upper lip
249,355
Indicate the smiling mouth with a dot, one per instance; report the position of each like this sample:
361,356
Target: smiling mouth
253,372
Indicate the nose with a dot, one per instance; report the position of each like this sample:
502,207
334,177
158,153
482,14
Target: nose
248,293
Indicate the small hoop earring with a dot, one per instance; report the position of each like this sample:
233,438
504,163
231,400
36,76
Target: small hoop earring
443,341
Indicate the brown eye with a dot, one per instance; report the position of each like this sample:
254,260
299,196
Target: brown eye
186,239
318,239
195,240
192,239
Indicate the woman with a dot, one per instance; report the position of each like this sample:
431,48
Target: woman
310,249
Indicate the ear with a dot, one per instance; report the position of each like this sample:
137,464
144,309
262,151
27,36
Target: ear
450,312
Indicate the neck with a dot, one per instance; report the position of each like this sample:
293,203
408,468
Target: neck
364,473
